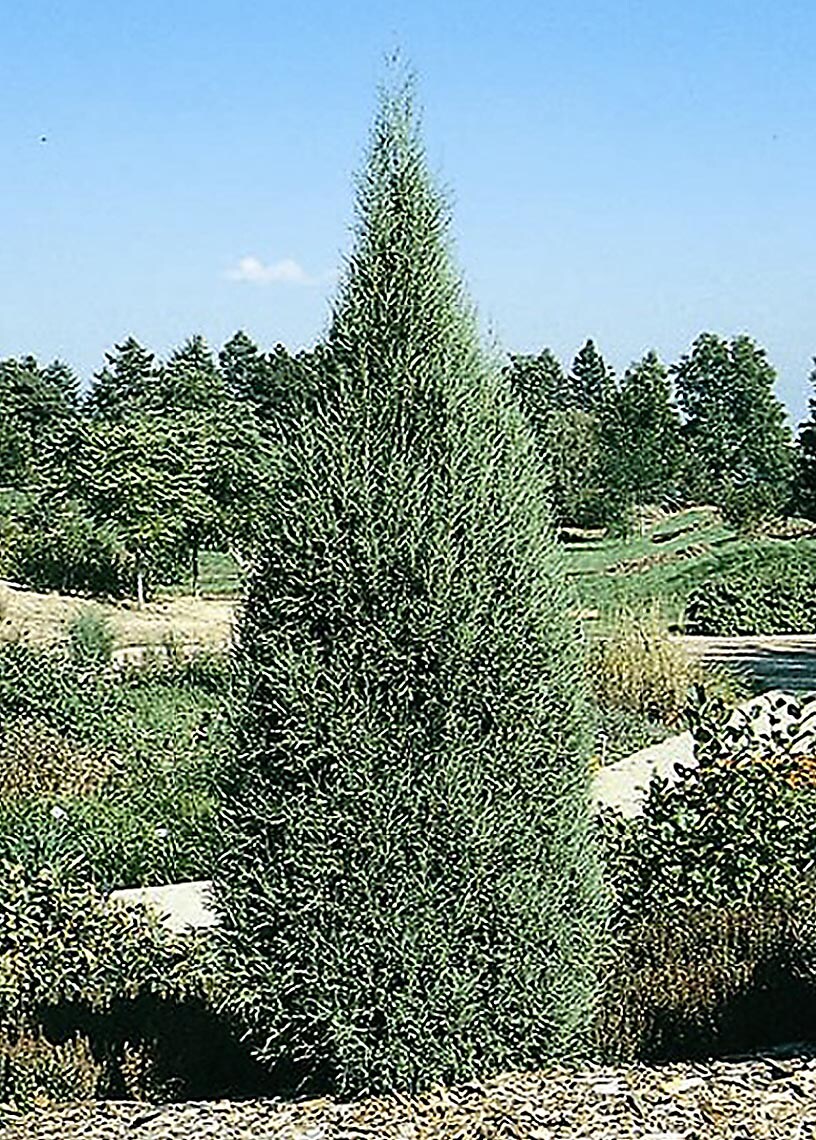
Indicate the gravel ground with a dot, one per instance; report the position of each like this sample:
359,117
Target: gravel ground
760,1098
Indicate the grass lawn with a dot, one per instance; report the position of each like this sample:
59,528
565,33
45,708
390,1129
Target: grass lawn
663,565
219,577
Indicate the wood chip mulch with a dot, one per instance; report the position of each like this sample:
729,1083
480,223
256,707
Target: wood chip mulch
754,1099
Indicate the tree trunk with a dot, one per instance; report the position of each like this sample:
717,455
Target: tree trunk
194,550
139,584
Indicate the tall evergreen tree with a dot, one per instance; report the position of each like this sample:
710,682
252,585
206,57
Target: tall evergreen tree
244,368
278,384
805,489
591,379
541,386
641,444
735,428
38,407
190,379
126,385
409,891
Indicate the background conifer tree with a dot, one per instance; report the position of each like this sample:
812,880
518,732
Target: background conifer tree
591,379
190,379
805,490
39,406
541,386
126,385
640,440
410,891
735,429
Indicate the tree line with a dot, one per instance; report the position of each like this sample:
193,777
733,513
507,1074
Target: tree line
121,487
707,429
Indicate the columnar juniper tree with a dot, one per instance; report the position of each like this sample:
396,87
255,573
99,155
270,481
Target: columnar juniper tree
410,892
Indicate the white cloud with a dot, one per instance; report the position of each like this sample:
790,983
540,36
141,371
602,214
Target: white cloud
285,272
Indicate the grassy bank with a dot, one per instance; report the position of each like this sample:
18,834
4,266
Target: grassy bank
669,560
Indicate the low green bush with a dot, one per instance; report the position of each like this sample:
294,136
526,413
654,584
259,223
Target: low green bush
714,933
749,506
770,590
68,961
91,638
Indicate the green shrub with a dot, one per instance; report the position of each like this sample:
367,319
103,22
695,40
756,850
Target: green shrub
65,959
715,895
770,590
62,548
119,769
410,885
91,638
748,506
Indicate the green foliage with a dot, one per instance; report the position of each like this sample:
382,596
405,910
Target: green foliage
569,446
541,386
682,561
119,771
56,939
640,442
190,379
166,485
619,733
805,480
278,386
591,380
409,885
714,890
91,638
126,385
59,546
748,507
37,405
770,589
735,427
566,435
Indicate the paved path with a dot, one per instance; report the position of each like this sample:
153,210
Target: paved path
779,662
624,785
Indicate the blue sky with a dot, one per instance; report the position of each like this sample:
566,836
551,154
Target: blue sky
635,171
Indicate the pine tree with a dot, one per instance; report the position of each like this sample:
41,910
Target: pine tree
277,384
190,379
591,379
541,386
735,429
39,406
805,490
641,444
126,385
409,888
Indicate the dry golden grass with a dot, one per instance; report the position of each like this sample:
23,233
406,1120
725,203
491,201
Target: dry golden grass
191,622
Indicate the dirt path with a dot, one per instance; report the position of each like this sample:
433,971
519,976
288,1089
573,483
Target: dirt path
777,662
43,618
